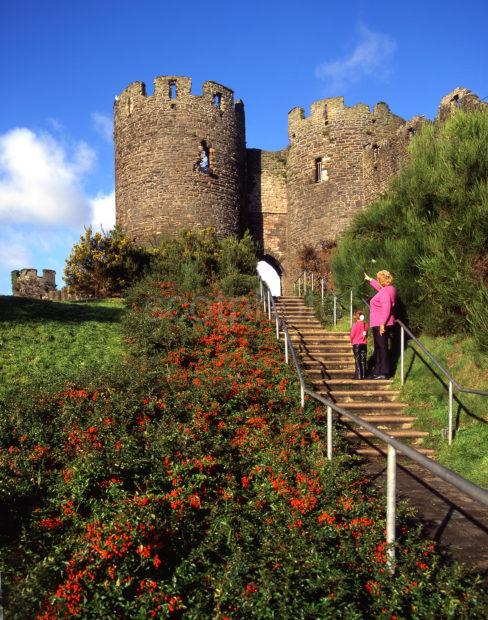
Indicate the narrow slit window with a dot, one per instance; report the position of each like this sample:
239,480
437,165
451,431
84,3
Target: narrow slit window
173,91
204,159
321,169
318,170
217,101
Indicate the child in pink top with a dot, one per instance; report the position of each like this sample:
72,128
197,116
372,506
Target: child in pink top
359,341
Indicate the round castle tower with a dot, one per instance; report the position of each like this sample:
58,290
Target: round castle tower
179,158
338,159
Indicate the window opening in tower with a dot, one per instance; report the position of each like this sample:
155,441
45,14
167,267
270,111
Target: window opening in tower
204,160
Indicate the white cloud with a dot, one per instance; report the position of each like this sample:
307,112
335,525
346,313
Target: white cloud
40,182
370,58
14,254
103,211
103,125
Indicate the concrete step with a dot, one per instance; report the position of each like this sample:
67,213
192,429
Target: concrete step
385,420
337,385
362,407
400,433
337,373
346,396
380,452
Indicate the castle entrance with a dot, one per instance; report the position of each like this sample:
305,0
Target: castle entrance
270,275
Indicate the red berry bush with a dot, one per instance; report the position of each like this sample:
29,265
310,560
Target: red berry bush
192,485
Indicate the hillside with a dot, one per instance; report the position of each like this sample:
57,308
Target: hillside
46,343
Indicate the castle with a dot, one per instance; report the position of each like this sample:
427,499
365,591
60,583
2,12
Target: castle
181,162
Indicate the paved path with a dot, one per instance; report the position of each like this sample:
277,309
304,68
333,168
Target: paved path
457,523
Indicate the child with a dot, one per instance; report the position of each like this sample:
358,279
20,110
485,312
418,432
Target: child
359,341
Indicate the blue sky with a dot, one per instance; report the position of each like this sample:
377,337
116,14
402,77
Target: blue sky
62,63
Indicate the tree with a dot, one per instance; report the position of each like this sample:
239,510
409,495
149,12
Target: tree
103,264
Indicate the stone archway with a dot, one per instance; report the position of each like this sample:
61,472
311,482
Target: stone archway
270,271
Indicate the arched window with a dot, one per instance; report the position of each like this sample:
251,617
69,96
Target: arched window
203,164
173,91
217,101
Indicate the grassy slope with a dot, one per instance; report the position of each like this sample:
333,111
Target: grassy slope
47,343
428,399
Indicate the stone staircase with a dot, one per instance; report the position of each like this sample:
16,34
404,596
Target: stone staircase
328,364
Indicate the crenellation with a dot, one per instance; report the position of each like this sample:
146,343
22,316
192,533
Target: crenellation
181,162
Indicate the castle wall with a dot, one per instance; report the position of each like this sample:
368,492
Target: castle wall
26,283
331,143
267,201
160,185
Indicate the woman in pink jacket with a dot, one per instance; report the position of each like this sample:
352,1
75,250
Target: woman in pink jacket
381,321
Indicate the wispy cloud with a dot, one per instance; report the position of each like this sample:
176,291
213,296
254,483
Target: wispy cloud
371,58
103,125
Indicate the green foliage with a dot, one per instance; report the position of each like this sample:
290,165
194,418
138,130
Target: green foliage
430,230
104,264
43,344
197,487
200,260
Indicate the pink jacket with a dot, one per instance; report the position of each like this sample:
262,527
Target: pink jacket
382,304
357,335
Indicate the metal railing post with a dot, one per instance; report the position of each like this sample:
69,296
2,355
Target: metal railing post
350,309
329,433
302,395
269,305
304,283
391,507
450,431
277,328
286,346
299,287
261,288
322,290
312,281
335,310
402,355
264,301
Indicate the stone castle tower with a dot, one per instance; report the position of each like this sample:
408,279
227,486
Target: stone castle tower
181,162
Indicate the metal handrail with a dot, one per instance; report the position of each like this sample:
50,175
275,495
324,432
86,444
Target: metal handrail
445,372
462,484
452,382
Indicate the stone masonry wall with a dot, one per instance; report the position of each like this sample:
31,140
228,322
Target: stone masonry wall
338,136
267,201
159,141
26,283
338,161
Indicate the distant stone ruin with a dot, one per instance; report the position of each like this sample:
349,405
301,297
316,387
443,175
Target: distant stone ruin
26,283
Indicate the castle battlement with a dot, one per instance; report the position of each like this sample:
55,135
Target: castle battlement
181,163
172,91
332,110
27,283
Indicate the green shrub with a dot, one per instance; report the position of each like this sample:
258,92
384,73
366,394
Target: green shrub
430,229
104,264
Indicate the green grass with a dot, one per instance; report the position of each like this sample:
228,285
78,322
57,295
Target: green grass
47,343
428,400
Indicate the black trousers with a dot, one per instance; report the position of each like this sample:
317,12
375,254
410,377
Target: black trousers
360,351
381,355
